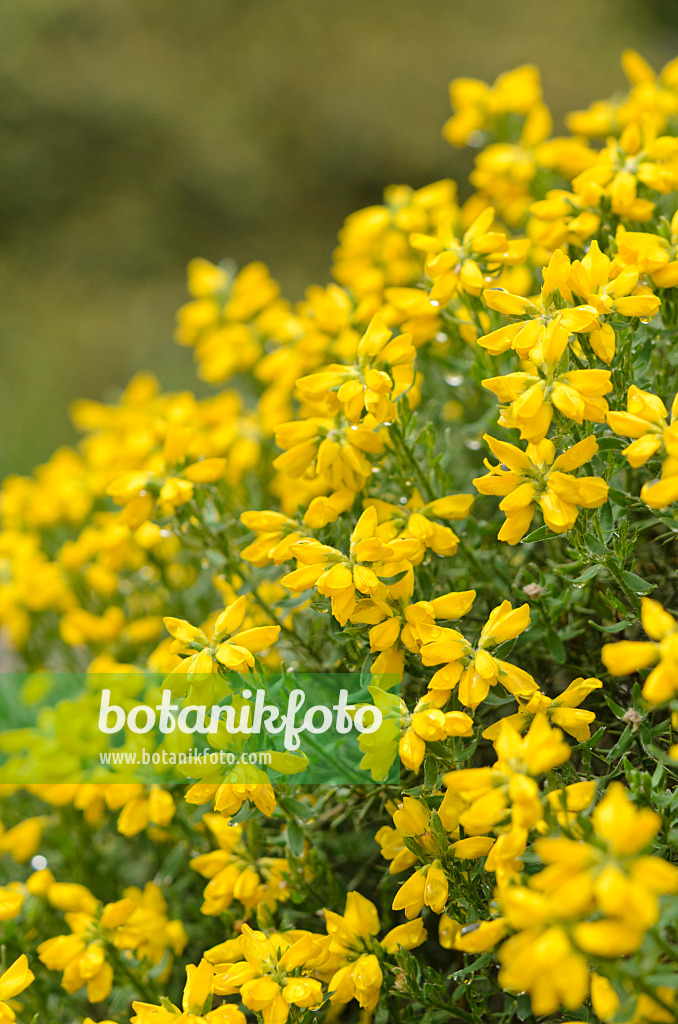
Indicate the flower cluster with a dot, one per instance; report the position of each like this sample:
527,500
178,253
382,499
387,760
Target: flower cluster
591,900
327,511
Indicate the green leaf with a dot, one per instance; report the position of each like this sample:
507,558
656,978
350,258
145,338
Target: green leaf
593,742
611,444
615,708
495,699
295,807
595,546
390,580
588,574
543,533
523,1007
246,812
607,521
483,960
668,978
294,838
365,674
412,845
430,772
437,831
622,744
620,498
636,584
504,649
556,647
616,627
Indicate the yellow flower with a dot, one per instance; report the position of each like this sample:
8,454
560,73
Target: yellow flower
138,490
505,797
541,749
374,250
603,284
154,807
461,267
233,875
10,902
401,625
563,711
653,255
537,476
505,171
606,1002
337,454
230,647
661,650
625,829
353,936
588,900
383,372
478,106
645,420
14,980
480,936
196,1002
609,187
475,670
511,109
540,329
547,966
411,818
532,396
221,323
138,923
23,840
429,724
652,97
367,569
416,519
426,887
272,974
244,783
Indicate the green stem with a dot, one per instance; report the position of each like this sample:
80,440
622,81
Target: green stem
630,596
148,994
499,574
400,443
291,633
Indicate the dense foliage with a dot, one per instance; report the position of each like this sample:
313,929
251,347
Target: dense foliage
508,365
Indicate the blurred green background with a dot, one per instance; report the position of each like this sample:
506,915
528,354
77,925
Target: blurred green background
135,134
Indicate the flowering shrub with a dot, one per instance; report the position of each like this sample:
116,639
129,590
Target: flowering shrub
454,467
